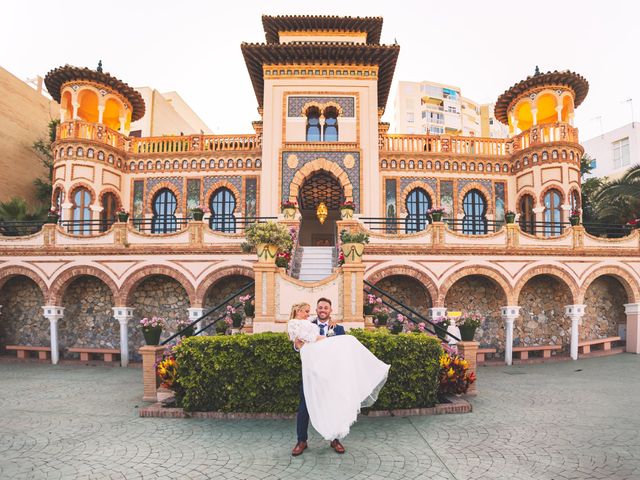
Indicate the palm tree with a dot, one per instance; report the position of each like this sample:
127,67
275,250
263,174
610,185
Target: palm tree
620,199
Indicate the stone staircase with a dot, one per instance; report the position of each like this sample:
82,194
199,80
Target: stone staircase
316,263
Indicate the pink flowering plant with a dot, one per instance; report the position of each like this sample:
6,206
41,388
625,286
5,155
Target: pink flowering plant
153,322
443,323
470,319
381,313
199,209
575,213
370,302
348,204
233,317
248,305
185,324
398,323
288,204
440,210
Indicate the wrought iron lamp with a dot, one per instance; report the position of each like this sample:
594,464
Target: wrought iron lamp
321,212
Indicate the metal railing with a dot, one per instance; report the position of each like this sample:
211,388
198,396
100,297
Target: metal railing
160,224
20,228
414,224
217,312
399,307
233,224
86,227
474,225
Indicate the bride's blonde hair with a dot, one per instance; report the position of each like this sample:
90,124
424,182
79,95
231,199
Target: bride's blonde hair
296,307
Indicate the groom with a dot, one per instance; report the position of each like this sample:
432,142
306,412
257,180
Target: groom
323,311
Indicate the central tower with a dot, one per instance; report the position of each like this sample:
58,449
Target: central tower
322,84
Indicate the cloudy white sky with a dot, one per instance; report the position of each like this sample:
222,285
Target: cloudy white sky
193,47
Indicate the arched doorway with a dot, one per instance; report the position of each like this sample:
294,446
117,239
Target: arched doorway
319,188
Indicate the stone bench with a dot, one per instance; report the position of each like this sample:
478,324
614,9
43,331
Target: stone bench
23,351
86,353
482,352
586,345
545,349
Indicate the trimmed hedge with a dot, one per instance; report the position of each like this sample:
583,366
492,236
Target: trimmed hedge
262,372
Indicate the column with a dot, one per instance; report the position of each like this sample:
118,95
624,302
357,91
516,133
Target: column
509,314
53,314
194,314
534,113
469,350
100,113
633,327
123,315
575,313
559,112
76,106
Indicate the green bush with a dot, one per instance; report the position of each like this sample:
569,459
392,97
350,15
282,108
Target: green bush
262,372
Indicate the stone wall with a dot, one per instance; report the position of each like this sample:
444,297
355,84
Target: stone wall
542,320
605,299
88,316
225,287
157,296
21,319
476,293
407,290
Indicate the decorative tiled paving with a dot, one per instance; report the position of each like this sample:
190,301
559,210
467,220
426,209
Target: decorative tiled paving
568,420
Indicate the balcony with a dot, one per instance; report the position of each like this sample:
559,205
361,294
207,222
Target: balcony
443,144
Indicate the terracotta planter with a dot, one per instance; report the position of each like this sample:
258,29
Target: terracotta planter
152,335
198,216
289,213
467,333
352,252
266,252
346,213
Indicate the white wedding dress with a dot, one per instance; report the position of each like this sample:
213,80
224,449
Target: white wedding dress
339,376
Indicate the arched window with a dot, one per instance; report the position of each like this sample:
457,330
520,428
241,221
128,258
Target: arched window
417,204
313,124
108,214
527,217
330,124
164,209
552,213
222,205
474,206
81,217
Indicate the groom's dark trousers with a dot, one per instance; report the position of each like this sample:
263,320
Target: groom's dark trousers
302,418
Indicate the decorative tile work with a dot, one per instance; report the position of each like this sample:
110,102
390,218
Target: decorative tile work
485,183
446,196
405,181
250,198
338,157
138,198
152,182
295,104
500,201
235,180
193,192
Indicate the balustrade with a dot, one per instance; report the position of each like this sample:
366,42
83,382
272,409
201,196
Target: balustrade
444,144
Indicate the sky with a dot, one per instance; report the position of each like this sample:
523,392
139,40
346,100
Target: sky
193,47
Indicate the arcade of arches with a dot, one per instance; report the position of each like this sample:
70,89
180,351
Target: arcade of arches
320,187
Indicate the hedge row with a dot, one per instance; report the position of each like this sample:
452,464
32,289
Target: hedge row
262,372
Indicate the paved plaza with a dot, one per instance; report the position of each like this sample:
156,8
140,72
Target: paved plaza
567,420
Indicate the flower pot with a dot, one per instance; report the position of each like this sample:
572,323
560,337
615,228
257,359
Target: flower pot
510,217
436,217
395,329
123,217
236,318
188,332
53,218
574,221
352,252
467,332
289,213
249,310
266,252
197,216
368,309
221,327
152,335
346,213
382,319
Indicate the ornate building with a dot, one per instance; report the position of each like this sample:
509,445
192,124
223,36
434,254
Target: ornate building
321,85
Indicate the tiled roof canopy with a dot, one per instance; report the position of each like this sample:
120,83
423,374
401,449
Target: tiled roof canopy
574,81
61,75
258,54
300,23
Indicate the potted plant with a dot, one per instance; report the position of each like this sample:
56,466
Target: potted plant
381,314
152,329
198,212
346,210
187,329
53,215
268,238
233,319
288,209
222,325
468,323
454,376
510,216
436,213
352,245
282,259
370,303
248,306
397,324
441,325
574,217
123,215
167,370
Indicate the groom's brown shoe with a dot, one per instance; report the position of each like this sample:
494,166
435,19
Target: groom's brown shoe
337,446
299,448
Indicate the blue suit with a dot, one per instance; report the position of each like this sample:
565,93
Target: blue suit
302,418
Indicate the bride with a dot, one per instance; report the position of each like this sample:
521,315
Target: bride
339,374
